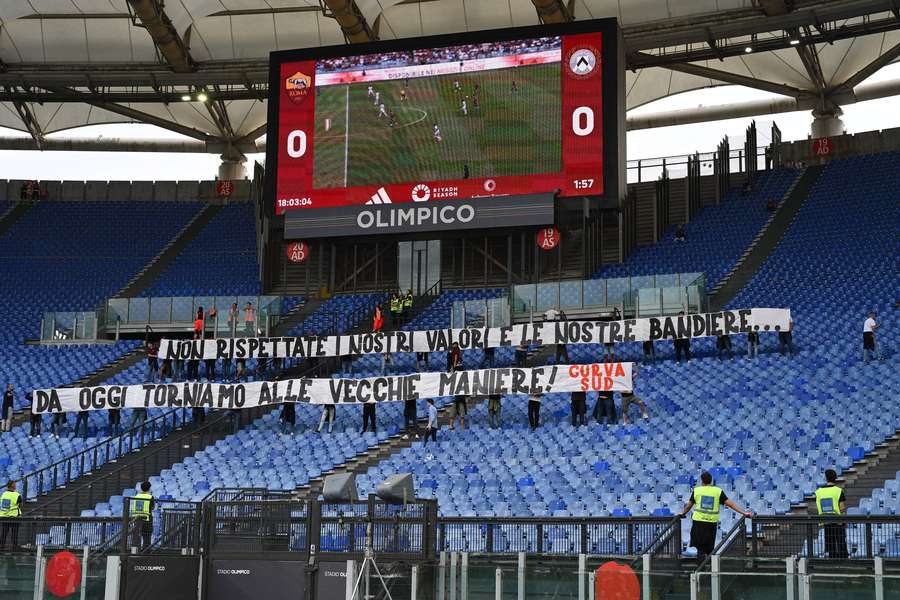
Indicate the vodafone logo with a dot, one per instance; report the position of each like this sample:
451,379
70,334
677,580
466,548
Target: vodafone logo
421,193
490,185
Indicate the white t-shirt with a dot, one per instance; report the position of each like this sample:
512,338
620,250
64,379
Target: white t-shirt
551,315
869,325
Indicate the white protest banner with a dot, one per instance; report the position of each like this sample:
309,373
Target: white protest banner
482,382
729,322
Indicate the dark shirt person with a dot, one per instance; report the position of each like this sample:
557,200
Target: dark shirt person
680,234
707,499
6,416
830,500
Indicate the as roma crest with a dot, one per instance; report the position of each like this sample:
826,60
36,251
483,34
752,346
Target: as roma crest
297,86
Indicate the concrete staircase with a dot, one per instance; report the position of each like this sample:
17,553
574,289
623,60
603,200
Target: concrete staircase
12,216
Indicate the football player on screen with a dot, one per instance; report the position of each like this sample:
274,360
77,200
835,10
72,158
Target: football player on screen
403,97
464,107
381,111
370,92
437,134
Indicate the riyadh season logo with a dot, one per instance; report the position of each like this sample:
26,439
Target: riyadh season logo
490,185
421,193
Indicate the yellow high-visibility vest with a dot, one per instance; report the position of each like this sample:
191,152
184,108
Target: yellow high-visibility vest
828,500
706,503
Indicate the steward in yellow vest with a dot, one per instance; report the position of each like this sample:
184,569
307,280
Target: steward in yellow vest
10,510
707,501
140,509
830,501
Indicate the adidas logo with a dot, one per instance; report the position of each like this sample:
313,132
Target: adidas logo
380,197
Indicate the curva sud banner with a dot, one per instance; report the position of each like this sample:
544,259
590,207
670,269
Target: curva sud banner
729,322
482,382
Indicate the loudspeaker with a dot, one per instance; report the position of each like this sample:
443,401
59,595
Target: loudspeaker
396,489
340,488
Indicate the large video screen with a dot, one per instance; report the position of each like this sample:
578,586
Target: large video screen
486,119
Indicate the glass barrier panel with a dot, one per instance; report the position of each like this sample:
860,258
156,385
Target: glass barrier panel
524,298
644,281
746,585
182,308
138,310
475,313
161,309
617,292
17,572
649,302
87,325
667,280
570,295
498,312
695,299
547,296
831,586
116,310
458,315
594,292
673,300
206,302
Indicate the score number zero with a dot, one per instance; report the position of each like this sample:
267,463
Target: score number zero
583,125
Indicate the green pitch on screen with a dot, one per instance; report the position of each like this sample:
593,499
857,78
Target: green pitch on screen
510,132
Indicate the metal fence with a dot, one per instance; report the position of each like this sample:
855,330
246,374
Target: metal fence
60,533
63,472
280,526
561,536
406,530
175,528
821,537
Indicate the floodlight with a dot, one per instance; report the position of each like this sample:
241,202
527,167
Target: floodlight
396,489
340,488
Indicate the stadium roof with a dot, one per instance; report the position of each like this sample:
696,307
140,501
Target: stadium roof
69,63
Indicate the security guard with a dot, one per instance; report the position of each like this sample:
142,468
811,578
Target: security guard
407,305
395,307
830,500
707,500
10,510
141,511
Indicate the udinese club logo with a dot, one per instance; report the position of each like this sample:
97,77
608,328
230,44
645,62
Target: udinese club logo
583,61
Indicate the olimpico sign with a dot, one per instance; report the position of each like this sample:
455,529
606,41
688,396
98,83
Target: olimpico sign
447,214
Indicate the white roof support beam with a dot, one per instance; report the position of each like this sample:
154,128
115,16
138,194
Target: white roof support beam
737,79
552,11
166,38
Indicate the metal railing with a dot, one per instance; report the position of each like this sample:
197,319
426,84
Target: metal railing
101,534
176,526
613,536
61,473
256,526
824,537
148,461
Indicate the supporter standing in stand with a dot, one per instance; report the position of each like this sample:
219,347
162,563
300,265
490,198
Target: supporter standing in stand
455,363
198,324
786,340
368,416
377,319
605,408
141,511
579,408
115,421
394,308
534,411
870,344
706,500
723,346
327,414
152,351
81,419
408,306
494,408
59,419
138,416
609,348
249,320
409,418
682,346
288,417
233,319
35,419
421,357
521,355
752,345
649,352
680,234
432,426
8,400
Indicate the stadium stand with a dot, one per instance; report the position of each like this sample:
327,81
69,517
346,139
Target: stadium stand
715,239
220,260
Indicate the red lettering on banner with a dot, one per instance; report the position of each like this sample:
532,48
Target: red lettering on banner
296,119
582,114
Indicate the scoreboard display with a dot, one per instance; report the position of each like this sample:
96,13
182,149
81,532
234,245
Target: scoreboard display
483,115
